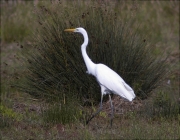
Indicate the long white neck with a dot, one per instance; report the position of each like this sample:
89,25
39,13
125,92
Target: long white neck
89,64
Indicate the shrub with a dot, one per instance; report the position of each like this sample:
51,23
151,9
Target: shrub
161,106
55,65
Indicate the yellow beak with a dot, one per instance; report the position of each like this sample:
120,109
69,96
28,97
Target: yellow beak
69,30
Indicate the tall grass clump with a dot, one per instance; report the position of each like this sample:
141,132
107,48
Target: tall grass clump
55,67
61,113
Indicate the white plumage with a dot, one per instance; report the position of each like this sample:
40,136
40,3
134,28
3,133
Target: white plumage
111,81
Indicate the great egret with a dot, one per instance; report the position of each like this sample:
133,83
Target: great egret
109,81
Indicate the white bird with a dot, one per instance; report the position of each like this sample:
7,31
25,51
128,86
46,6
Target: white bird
109,81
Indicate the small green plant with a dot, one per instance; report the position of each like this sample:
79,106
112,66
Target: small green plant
61,113
7,115
164,106
161,106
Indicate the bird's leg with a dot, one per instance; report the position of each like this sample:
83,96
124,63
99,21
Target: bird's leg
112,110
96,112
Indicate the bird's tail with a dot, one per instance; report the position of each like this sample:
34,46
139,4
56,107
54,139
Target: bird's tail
130,92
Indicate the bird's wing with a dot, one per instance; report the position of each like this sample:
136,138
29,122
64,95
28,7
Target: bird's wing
113,82
127,86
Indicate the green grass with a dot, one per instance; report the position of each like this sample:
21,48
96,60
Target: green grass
53,114
27,118
16,25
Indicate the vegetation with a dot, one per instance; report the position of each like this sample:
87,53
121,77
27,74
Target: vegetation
141,30
14,26
55,63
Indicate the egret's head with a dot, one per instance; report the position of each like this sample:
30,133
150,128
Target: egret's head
79,30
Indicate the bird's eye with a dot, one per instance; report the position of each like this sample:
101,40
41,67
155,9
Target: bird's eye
77,30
